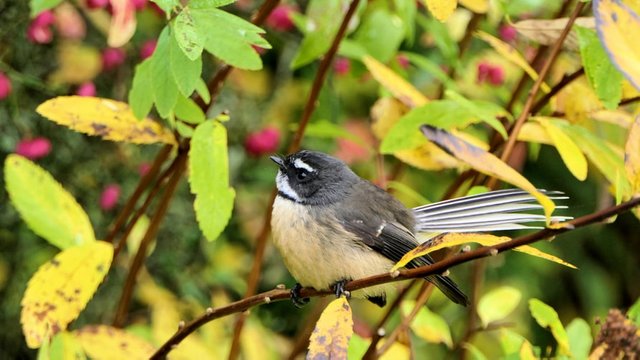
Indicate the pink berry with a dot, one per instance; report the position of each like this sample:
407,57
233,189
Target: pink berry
496,76
109,197
112,58
147,49
5,86
341,66
97,4
263,142
483,72
45,18
508,33
33,149
144,168
38,34
69,23
86,89
139,4
280,18
403,61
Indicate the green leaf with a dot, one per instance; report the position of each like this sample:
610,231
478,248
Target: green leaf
203,91
428,325
209,178
209,4
323,22
381,34
473,352
166,5
441,36
38,6
546,316
498,304
47,208
407,9
580,339
605,79
484,110
165,90
140,96
188,111
357,347
510,341
327,129
230,37
405,134
187,35
185,71
634,312
432,68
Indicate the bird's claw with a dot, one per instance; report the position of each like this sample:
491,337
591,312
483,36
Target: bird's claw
338,289
296,299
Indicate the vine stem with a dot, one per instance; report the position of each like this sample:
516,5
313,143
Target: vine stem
309,108
436,268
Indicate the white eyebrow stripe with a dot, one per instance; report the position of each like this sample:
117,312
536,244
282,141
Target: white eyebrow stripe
282,183
299,164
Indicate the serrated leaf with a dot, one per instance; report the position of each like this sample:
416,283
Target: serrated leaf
209,178
61,288
399,87
123,23
380,33
165,89
497,304
441,9
580,339
618,28
632,156
428,325
140,98
330,337
166,5
185,71
47,208
98,340
188,111
546,32
602,75
109,119
511,54
486,163
186,34
569,151
38,6
229,37
546,316
456,239
483,110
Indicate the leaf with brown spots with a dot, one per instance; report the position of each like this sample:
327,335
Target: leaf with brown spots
61,288
106,342
330,338
109,119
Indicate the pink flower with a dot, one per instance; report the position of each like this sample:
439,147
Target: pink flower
147,49
112,58
403,61
280,18
263,142
508,33
139,4
5,86
33,149
86,89
97,4
341,66
109,197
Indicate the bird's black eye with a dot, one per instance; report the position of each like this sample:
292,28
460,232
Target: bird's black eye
302,174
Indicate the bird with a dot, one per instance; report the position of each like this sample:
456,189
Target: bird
332,226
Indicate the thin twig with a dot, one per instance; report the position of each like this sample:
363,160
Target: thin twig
152,231
437,268
629,101
566,80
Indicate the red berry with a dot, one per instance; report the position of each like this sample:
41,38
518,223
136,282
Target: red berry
342,66
97,4
496,76
403,61
483,72
263,142
109,197
45,18
112,58
33,149
147,49
280,18
5,86
139,4
508,33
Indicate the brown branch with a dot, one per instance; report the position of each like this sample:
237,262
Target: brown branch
566,80
629,101
152,231
437,268
309,108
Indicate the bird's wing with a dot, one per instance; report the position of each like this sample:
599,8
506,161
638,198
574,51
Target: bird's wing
491,211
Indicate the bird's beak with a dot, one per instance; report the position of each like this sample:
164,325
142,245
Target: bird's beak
278,160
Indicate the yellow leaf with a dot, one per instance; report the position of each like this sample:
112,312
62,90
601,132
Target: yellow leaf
577,100
598,352
61,288
534,133
429,325
618,28
526,351
616,117
632,156
330,338
441,9
486,163
546,32
109,119
511,54
477,6
106,342
570,153
396,351
123,23
77,64
399,87
456,239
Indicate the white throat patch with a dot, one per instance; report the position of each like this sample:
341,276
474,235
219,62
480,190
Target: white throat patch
299,164
282,183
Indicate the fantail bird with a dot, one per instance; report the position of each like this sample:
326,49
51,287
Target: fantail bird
332,226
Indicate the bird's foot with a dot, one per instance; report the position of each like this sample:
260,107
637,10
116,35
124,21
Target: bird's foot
296,299
338,289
